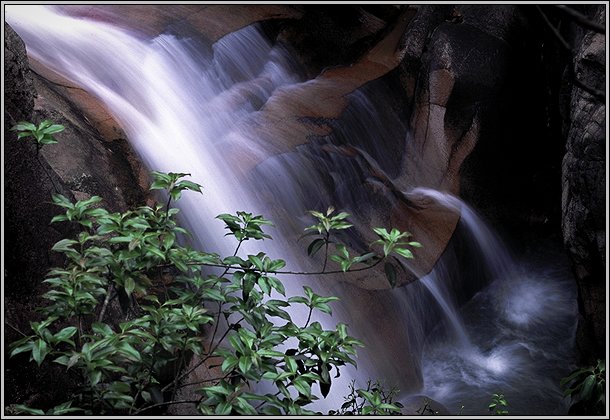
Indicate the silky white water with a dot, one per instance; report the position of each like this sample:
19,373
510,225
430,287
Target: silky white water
188,106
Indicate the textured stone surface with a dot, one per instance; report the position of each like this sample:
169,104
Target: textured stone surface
28,183
584,193
18,88
462,69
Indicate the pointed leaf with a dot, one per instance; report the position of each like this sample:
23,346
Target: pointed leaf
390,273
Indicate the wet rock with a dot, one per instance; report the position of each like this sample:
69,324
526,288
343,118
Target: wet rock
29,182
584,191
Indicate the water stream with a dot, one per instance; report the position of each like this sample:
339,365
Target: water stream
514,337
184,103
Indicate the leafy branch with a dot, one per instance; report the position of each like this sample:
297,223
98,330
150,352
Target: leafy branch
175,310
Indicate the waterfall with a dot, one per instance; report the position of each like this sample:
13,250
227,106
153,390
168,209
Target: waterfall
185,106
524,339
188,105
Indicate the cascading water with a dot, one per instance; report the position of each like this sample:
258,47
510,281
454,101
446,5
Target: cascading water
522,347
182,104
185,106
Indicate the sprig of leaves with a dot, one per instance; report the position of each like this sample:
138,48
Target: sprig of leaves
498,405
587,385
245,226
41,134
169,181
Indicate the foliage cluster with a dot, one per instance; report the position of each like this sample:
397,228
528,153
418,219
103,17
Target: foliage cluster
181,308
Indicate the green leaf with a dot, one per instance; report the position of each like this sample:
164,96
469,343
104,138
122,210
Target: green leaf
189,185
156,252
128,351
302,386
587,387
39,351
258,263
298,299
277,285
23,125
59,218
159,185
382,232
229,363
65,245
55,128
390,407
65,334
213,294
390,273
73,360
264,285
95,377
23,348
223,409
129,285
269,353
244,407
217,389
315,246
404,252
20,408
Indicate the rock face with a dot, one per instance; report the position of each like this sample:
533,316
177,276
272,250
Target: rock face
584,186
28,184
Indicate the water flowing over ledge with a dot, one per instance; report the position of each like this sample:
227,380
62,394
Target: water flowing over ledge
192,106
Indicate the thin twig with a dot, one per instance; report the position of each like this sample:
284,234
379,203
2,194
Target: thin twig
176,379
600,95
326,250
47,173
107,300
581,19
210,353
292,273
555,31
220,378
165,403
263,402
308,317
14,328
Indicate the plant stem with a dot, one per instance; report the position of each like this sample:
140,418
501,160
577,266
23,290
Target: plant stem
204,359
325,251
167,208
109,297
14,328
46,172
80,330
182,351
292,273
263,402
165,403
220,378
308,317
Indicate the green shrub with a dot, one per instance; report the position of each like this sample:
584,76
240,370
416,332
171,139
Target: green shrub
230,312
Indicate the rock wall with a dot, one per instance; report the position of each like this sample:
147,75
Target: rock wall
584,187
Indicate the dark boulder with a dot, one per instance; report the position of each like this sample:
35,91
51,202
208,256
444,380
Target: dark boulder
584,190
